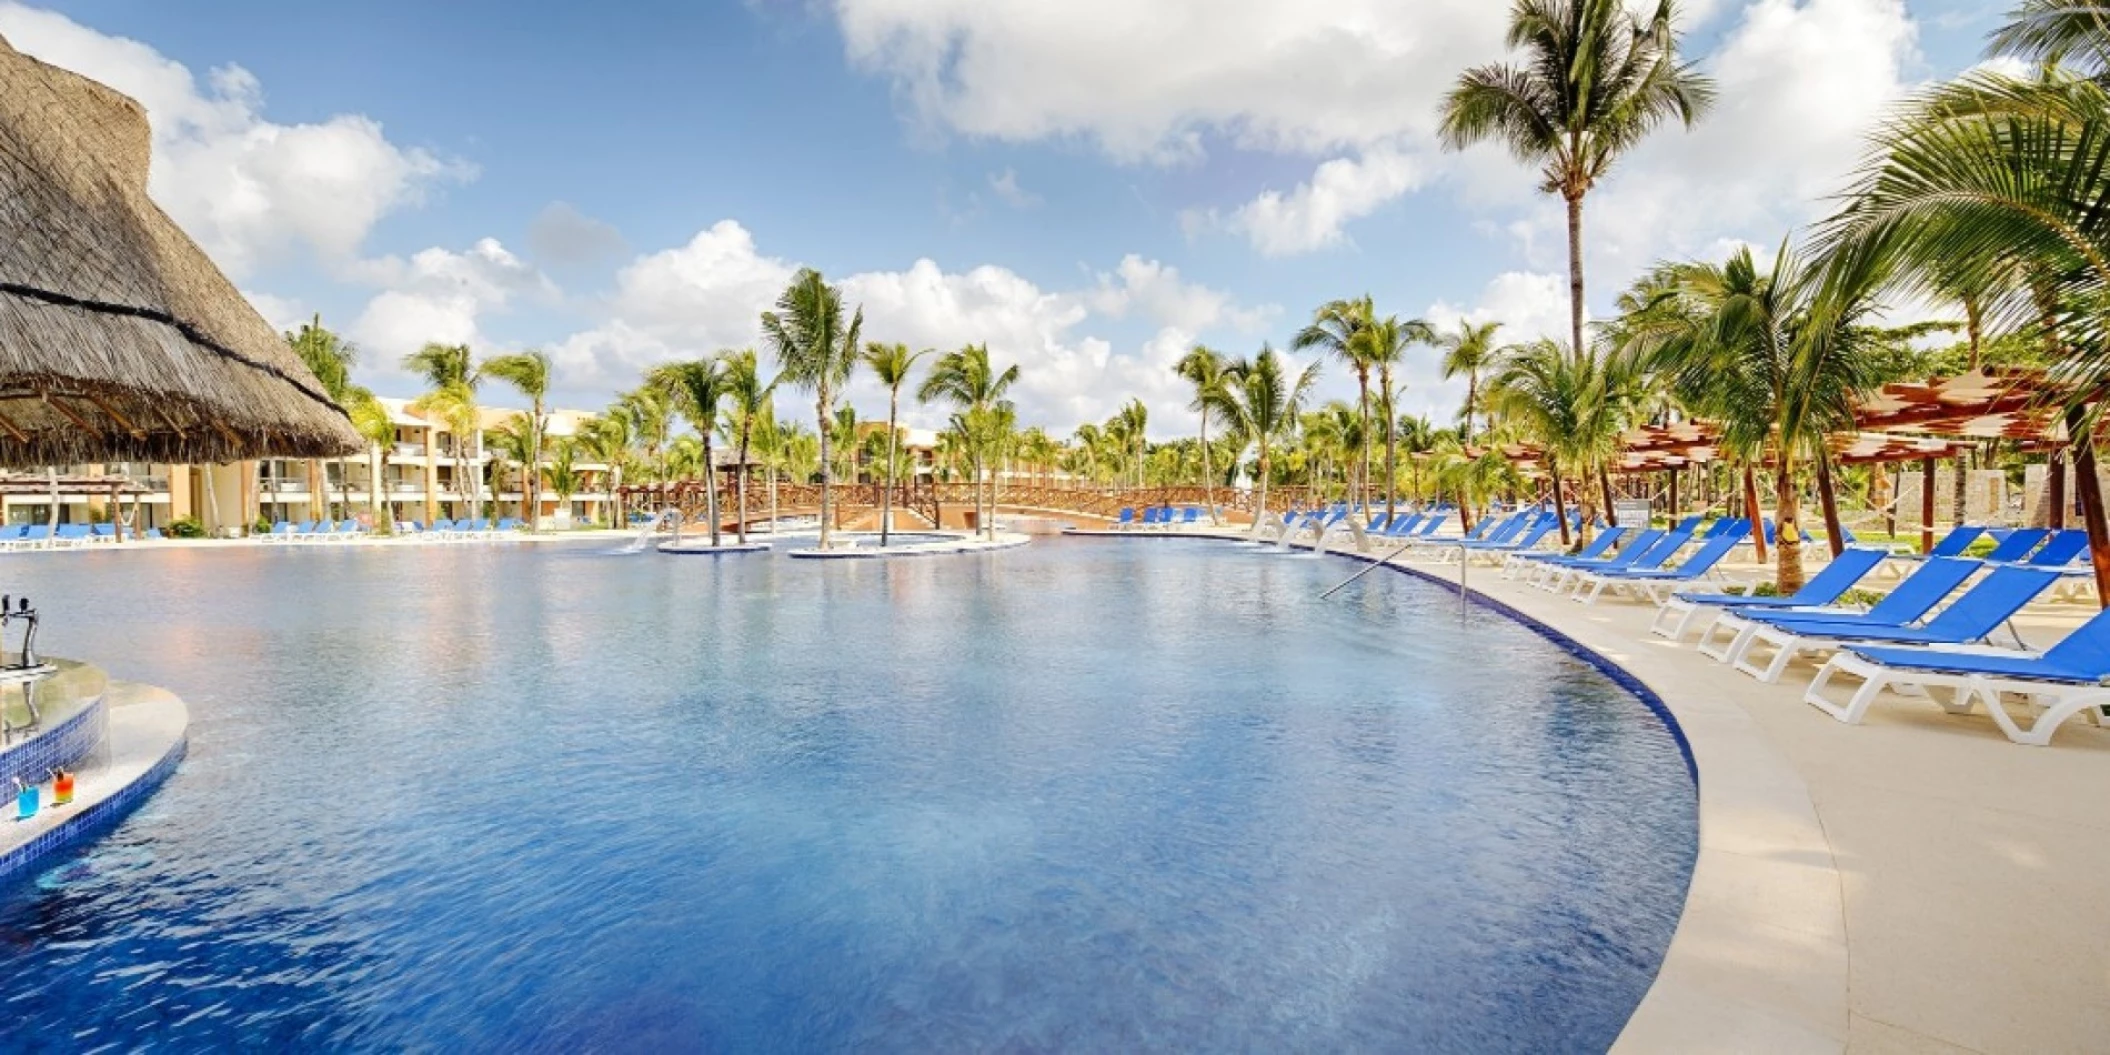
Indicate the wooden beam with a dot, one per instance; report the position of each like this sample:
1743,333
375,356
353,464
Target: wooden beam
1927,505
136,432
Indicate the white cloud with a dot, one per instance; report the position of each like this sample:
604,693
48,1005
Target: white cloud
1005,185
1147,82
246,188
440,296
1156,291
691,300
1316,214
1530,305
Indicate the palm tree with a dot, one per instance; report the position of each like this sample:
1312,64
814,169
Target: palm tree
751,401
374,422
451,378
1776,360
698,386
815,348
1566,404
1468,349
1265,402
651,422
1419,438
564,475
512,445
1998,181
1595,79
968,381
1386,342
891,363
1209,372
331,359
1134,419
528,373
2073,33
1336,329
606,439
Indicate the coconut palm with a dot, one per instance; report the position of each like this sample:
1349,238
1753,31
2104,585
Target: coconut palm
606,439
1386,342
816,348
891,363
512,446
451,378
1567,405
1209,372
1336,329
1134,420
564,476
528,372
378,426
1594,80
1468,349
331,358
2073,33
1776,359
966,380
1994,177
651,423
750,404
697,387
1265,402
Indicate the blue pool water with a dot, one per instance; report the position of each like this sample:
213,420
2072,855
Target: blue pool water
1091,795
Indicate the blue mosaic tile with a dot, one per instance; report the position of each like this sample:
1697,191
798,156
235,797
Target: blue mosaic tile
32,761
97,818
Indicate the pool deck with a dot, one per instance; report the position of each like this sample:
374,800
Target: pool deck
1913,884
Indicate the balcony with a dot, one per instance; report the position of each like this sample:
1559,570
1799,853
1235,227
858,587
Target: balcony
408,450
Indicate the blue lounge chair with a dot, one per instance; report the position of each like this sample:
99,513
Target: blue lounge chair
1127,517
1970,620
1403,525
1649,582
1907,603
1523,542
1523,559
71,535
1548,572
1822,589
1665,546
2017,545
102,532
2058,551
1950,545
2068,679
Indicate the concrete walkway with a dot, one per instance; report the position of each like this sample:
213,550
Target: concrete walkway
1913,884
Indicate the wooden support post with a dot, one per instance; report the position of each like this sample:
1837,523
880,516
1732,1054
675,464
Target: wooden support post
1926,505
2055,490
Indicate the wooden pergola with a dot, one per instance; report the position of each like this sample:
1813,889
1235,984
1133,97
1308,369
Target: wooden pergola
53,486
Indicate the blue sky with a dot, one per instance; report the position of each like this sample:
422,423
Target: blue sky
1089,187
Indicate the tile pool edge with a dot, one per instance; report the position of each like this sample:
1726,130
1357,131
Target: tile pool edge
148,739
1745,969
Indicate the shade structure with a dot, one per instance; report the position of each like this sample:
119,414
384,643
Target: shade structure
119,339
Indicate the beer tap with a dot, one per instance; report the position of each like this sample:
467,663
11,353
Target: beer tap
23,613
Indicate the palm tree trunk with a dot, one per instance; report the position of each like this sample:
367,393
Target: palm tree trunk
1958,489
1363,492
1391,451
741,480
1604,486
1575,271
1828,497
710,487
1260,511
2089,489
1208,480
893,462
1560,504
821,402
1472,399
1787,573
1758,530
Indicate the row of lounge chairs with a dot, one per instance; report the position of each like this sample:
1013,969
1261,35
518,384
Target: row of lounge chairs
66,536
1943,632
1158,517
463,530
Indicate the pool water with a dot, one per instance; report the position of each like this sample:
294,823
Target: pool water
1094,795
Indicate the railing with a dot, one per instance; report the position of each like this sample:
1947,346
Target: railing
929,498
410,450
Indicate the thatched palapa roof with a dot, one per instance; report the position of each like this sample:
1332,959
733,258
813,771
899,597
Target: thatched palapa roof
119,339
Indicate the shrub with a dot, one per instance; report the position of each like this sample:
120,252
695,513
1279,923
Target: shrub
261,527
186,527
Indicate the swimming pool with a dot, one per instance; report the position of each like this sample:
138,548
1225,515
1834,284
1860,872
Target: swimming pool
1089,795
